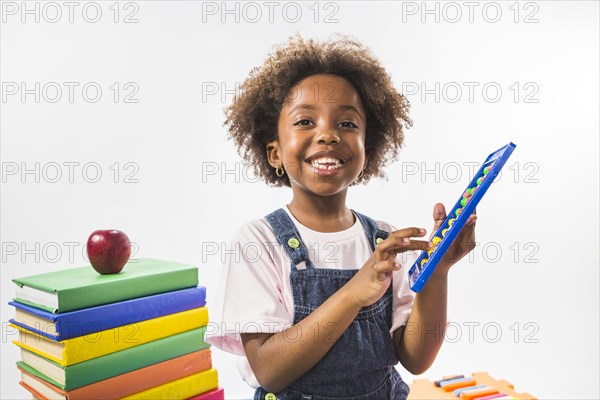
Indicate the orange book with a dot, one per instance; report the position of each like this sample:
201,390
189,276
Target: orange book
123,385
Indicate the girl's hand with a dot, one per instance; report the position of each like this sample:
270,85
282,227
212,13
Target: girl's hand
373,279
462,244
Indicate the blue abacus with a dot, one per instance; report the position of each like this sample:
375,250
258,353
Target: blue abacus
458,216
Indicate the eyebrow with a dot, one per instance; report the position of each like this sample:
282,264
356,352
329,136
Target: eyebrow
311,107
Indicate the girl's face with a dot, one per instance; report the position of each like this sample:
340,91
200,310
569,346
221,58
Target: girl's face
321,135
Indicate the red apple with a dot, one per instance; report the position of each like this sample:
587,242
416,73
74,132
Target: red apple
108,250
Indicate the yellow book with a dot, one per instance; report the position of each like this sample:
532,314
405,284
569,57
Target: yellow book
82,348
183,388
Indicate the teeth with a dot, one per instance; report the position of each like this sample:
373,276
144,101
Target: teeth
323,162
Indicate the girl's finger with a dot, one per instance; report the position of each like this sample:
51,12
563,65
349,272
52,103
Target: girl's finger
386,266
396,244
384,269
439,216
471,220
409,232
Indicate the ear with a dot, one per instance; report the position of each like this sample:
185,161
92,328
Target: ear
366,159
274,154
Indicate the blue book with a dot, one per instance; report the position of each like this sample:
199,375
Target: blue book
72,324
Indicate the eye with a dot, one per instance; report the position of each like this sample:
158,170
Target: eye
303,122
348,124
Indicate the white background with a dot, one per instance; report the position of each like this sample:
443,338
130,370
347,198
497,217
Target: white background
529,291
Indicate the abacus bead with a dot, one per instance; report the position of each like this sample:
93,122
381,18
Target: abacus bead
444,232
486,170
471,190
467,194
479,180
464,202
423,261
436,239
429,253
451,221
458,211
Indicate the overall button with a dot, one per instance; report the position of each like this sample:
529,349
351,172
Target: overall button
294,244
271,396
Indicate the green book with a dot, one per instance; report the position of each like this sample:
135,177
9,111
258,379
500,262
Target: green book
110,365
77,288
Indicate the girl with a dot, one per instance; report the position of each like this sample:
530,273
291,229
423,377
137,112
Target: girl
321,307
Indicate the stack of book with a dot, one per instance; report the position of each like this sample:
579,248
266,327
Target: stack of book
137,334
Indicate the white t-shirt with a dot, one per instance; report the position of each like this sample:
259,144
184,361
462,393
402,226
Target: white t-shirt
255,292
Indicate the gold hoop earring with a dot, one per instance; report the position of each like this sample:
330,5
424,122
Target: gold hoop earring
278,173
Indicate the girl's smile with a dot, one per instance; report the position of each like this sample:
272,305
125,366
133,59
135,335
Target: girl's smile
326,163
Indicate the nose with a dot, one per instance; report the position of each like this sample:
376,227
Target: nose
328,136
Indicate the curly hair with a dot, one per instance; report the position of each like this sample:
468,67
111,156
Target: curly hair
253,116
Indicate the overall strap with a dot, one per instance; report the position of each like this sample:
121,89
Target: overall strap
374,234
289,237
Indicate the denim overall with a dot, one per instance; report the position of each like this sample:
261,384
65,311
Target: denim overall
360,365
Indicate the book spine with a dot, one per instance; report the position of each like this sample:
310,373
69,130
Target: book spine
181,388
83,297
118,363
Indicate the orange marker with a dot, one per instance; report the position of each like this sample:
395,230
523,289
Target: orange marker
461,384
